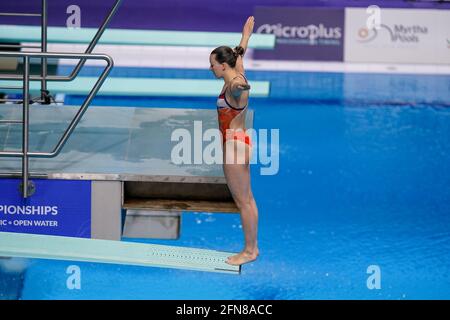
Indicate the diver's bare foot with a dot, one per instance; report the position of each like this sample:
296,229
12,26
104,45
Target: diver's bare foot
243,257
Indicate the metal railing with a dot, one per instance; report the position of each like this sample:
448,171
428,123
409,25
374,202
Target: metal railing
25,154
44,77
43,46
45,97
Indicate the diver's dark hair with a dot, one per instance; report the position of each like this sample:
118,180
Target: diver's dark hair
227,55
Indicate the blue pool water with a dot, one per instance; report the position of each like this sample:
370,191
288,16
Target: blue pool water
363,180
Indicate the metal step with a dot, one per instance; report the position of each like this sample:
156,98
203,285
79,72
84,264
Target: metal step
181,205
173,196
11,87
11,121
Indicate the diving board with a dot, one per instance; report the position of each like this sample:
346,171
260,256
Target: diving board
138,87
16,33
114,252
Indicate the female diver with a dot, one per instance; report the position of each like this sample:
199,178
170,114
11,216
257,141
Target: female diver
227,64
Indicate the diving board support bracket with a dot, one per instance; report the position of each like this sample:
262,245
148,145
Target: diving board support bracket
145,224
106,204
108,222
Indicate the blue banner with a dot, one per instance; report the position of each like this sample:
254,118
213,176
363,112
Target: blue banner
58,207
183,15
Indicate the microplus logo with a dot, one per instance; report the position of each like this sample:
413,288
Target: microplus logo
311,32
28,210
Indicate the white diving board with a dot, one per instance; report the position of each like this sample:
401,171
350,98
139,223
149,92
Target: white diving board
16,33
114,252
138,87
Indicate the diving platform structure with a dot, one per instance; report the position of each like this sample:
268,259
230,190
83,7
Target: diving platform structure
76,180
124,156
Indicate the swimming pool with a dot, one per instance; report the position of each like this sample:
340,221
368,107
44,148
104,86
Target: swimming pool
363,180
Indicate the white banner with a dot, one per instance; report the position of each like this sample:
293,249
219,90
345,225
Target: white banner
397,35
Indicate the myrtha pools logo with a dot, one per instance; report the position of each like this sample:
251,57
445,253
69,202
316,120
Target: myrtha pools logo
397,33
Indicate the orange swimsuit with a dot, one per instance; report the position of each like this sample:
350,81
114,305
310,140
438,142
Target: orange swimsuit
226,114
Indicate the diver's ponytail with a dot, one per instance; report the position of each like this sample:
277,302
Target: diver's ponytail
238,51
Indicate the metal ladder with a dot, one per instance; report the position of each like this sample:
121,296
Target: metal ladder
27,187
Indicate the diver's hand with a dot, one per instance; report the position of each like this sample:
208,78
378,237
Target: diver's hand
248,27
243,87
